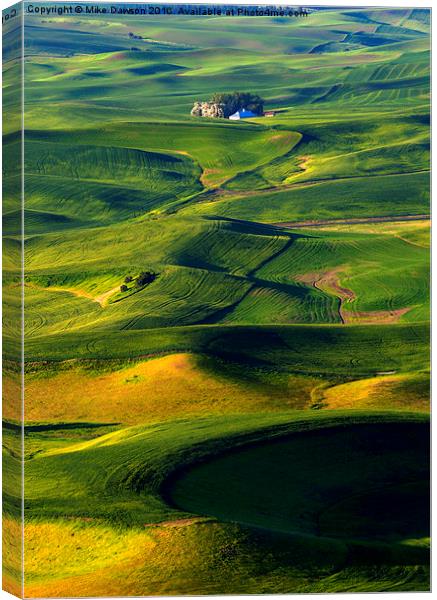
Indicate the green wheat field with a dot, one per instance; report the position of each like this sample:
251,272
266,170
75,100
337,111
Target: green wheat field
226,322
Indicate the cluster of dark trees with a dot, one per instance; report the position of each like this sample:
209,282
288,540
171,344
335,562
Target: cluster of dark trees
237,101
223,105
144,278
135,37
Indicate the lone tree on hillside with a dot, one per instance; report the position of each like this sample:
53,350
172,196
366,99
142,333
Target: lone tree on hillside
223,105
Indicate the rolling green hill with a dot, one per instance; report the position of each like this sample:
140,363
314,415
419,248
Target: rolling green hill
106,478
253,418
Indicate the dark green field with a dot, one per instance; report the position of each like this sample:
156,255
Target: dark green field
253,418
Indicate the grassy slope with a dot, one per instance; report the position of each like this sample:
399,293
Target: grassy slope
237,328
103,478
221,149
217,271
232,370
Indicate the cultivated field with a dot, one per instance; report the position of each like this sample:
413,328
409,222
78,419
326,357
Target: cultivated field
253,418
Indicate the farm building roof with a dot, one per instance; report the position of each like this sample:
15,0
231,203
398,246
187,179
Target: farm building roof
243,114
